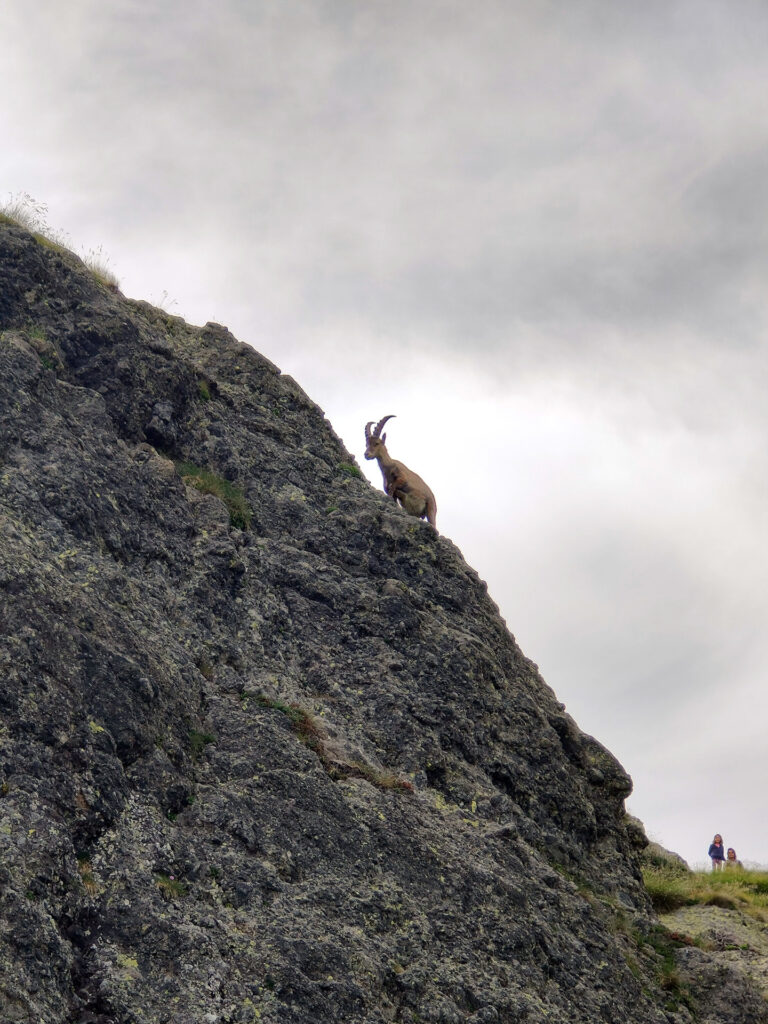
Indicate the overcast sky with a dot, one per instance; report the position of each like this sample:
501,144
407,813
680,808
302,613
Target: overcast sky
535,231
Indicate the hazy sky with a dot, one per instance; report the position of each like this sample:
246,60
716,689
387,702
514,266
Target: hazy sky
535,231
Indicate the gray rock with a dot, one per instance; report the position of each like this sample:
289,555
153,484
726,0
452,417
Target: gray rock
267,750
722,991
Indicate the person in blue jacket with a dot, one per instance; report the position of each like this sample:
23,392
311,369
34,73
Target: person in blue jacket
717,853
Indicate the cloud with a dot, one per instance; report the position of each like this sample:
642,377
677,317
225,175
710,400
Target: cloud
527,181
536,233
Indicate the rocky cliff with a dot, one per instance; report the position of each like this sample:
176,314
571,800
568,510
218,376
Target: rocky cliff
267,750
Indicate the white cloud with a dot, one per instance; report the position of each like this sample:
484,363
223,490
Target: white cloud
549,222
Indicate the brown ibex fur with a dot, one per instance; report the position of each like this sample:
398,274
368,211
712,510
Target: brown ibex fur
400,483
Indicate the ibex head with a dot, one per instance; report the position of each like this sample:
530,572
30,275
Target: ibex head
375,440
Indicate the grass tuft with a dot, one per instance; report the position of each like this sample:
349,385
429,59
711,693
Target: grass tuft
302,722
26,212
381,779
198,741
21,209
86,875
311,735
170,886
240,512
98,263
664,943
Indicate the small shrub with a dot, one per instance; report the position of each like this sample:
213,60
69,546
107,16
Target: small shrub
240,512
204,391
349,470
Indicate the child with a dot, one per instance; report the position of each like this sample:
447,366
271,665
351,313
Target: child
731,861
717,853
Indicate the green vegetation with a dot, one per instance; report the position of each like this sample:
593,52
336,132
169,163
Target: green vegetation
204,391
735,889
664,944
349,470
26,212
240,512
170,886
302,722
198,741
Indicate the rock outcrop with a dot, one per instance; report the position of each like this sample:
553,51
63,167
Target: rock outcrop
724,964
267,750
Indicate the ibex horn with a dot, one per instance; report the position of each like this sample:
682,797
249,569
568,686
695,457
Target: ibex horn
380,424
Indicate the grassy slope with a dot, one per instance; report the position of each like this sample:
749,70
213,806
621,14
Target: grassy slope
725,913
672,888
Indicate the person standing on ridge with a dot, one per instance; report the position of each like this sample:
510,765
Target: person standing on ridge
717,853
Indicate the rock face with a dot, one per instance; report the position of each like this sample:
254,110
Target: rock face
730,973
268,753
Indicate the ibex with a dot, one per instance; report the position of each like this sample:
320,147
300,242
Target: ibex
400,483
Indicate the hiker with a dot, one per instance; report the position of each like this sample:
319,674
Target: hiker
731,860
717,853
